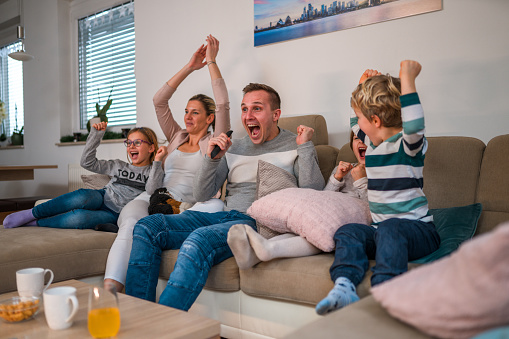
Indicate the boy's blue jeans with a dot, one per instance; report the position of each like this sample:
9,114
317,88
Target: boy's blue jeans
393,244
201,238
80,209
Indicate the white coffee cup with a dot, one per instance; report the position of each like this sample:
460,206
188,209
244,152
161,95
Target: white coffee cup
60,307
30,281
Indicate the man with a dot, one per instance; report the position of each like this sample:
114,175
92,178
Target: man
202,237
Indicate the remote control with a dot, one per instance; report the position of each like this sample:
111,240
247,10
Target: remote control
217,149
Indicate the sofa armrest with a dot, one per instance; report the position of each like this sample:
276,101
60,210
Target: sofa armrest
363,319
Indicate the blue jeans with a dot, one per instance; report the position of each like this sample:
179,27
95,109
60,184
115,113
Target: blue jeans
392,245
201,238
80,209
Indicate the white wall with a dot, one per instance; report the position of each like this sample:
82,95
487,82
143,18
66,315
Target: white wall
464,51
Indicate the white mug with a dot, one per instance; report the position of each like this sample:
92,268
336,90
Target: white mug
60,307
30,281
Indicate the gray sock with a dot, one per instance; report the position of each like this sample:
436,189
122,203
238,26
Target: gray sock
343,293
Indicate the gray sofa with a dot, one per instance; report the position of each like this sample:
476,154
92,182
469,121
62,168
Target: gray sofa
276,298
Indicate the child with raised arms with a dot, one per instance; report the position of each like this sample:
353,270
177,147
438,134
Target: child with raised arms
388,117
85,208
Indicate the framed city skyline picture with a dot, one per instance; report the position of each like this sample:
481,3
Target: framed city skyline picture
281,20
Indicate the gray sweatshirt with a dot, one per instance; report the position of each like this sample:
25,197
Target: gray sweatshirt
127,181
240,165
356,189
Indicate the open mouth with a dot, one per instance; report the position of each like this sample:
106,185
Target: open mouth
134,155
362,152
254,130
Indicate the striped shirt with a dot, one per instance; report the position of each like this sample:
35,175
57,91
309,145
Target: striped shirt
395,167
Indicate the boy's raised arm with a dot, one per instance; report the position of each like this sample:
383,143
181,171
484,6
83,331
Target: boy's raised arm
409,70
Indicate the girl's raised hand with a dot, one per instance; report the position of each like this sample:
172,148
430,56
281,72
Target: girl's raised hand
100,126
212,49
197,60
359,172
343,168
161,153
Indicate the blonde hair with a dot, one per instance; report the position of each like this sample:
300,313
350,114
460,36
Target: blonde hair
151,137
379,95
209,105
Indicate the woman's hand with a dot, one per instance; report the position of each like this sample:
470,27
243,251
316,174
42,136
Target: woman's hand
100,126
197,60
162,152
212,49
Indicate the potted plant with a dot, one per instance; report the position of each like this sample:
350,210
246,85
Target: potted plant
17,134
101,112
3,116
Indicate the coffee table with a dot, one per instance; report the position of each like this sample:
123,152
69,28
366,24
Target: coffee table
139,319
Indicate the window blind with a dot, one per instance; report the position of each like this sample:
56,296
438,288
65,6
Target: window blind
11,89
106,65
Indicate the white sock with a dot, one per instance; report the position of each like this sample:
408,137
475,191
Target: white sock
286,245
241,248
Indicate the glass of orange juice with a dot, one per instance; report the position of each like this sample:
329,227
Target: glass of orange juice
103,313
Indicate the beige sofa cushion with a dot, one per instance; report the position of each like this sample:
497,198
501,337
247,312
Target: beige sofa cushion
223,277
70,254
303,280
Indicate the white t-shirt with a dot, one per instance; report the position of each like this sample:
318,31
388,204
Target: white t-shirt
179,172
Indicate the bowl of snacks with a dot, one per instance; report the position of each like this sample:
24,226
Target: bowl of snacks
18,309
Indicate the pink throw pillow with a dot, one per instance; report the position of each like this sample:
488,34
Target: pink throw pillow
314,215
458,296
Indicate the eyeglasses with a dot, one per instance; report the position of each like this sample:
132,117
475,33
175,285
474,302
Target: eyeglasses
136,142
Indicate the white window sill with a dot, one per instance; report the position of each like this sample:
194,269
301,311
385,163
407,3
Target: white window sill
12,147
77,143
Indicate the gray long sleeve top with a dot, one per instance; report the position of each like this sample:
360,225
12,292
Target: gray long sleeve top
127,181
240,165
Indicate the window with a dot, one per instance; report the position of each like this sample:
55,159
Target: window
106,65
11,89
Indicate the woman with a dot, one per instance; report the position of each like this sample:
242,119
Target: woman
185,151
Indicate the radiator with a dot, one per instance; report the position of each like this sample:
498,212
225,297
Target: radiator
75,172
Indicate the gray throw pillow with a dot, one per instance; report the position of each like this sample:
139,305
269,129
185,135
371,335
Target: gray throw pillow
270,179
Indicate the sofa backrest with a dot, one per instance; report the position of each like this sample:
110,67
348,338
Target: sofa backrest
451,170
460,171
493,189
327,154
315,121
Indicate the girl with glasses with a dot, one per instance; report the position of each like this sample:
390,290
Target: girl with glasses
187,146
85,208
